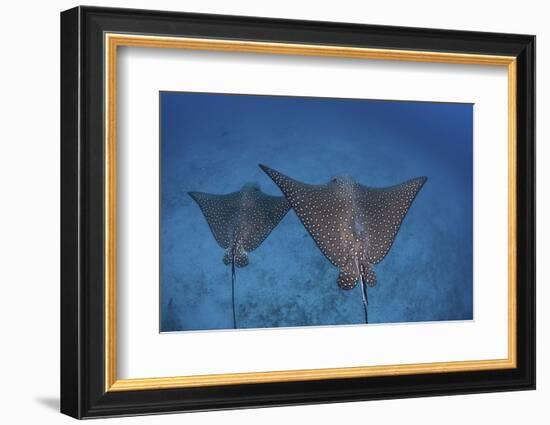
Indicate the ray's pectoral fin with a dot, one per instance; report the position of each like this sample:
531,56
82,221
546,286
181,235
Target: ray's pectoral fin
351,273
227,257
346,280
348,277
241,259
240,255
369,277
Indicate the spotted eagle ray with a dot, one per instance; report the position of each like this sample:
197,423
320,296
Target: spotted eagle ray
353,225
240,222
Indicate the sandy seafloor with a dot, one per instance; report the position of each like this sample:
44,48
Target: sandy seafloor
213,143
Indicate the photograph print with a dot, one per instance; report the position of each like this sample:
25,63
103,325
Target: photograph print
287,211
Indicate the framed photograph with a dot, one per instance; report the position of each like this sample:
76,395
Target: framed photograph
261,212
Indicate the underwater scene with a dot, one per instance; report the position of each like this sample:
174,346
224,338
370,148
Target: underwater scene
280,211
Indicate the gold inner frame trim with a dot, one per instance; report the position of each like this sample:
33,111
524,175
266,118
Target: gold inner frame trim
113,41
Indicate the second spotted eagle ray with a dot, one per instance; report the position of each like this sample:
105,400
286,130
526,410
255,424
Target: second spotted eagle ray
353,225
240,222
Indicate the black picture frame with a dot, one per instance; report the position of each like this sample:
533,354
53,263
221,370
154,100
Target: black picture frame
83,392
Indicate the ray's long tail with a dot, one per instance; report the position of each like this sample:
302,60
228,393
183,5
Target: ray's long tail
233,278
365,299
364,294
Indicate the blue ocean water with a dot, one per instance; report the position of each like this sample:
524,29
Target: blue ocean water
214,142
